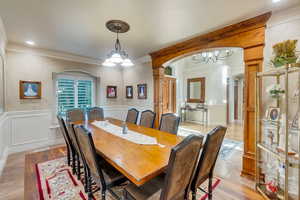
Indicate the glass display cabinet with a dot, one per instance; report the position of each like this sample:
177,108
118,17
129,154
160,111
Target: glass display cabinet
277,133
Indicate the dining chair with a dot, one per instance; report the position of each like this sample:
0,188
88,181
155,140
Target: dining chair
132,115
207,161
95,113
169,122
77,156
75,114
147,118
98,169
64,131
174,184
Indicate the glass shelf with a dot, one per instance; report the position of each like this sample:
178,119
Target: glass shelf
275,151
281,70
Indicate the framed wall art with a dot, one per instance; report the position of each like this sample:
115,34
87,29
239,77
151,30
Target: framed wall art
30,89
129,92
111,92
142,91
273,113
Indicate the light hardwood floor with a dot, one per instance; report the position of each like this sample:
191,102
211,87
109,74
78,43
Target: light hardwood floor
232,186
234,131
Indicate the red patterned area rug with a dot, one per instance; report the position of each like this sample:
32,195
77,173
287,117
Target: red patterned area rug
203,196
55,181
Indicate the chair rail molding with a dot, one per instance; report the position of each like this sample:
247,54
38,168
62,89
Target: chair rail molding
249,35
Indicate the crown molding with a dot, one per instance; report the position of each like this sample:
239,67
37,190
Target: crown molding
14,47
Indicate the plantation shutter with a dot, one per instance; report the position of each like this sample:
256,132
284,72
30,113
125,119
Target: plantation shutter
73,93
84,88
65,95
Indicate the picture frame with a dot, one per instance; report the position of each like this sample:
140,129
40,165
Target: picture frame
111,92
30,89
129,92
273,114
142,91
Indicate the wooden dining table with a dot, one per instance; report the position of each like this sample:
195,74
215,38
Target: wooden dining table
139,163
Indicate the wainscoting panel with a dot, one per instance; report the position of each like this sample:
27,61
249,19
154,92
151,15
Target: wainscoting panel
29,128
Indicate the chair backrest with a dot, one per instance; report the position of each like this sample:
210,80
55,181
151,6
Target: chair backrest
64,131
181,167
75,114
147,118
132,115
95,113
169,122
209,155
73,137
88,152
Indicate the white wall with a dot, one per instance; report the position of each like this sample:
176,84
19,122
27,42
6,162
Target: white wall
283,25
139,74
3,136
22,65
3,41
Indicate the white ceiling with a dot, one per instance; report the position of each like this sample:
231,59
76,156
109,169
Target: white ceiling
78,26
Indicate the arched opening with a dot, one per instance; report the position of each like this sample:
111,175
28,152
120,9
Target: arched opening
209,92
248,35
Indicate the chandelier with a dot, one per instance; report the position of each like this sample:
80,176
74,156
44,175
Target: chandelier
117,56
212,56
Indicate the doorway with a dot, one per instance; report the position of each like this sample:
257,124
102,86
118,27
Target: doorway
249,35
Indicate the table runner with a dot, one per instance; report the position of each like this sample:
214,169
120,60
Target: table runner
131,136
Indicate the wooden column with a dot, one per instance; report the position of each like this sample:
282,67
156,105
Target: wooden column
253,58
158,78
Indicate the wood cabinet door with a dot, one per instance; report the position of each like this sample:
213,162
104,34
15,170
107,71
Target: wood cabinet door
169,95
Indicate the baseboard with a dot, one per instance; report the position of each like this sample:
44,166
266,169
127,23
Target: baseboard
209,124
3,159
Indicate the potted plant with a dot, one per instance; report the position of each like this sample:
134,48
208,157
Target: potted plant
284,53
275,91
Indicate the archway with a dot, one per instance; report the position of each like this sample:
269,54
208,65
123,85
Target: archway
249,35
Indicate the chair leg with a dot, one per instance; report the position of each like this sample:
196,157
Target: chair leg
194,194
210,187
85,180
68,155
89,185
103,192
73,162
78,167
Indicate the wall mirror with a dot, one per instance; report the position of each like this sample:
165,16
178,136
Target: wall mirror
196,90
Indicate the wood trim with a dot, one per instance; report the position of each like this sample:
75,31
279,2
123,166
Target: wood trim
249,35
227,101
251,27
169,97
202,90
236,99
158,78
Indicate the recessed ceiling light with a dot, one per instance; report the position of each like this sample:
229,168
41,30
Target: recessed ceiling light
30,42
276,1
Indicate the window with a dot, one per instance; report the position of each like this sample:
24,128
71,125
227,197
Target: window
74,92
